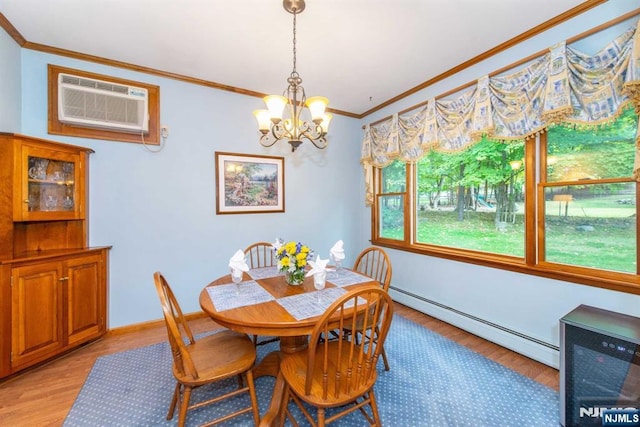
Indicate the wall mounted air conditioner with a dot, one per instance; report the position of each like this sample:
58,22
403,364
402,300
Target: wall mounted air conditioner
100,104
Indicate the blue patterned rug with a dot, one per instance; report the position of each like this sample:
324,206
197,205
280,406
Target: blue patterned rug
432,382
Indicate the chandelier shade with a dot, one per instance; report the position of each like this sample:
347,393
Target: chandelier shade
264,119
317,105
275,106
310,123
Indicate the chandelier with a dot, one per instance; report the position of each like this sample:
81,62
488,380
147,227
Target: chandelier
295,128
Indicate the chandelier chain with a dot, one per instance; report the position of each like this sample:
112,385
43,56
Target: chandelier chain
294,40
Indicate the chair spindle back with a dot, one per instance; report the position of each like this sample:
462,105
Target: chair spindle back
260,254
374,262
348,365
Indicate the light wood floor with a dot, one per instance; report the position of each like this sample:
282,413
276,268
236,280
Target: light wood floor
43,396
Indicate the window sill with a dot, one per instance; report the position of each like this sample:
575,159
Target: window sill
621,282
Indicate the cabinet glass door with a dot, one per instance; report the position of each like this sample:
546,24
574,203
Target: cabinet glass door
51,185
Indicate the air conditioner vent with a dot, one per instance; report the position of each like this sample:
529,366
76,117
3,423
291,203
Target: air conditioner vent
100,104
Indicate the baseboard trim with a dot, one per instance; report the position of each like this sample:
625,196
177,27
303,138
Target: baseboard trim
531,347
136,327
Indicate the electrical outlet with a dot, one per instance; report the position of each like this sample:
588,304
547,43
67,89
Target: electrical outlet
164,131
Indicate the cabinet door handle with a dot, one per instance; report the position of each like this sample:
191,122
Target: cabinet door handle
62,279
26,201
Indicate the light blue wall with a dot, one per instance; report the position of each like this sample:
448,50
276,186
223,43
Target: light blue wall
157,210
9,84
527,304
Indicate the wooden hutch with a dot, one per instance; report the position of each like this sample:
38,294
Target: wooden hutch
53,287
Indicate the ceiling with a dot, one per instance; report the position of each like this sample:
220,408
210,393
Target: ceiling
358,53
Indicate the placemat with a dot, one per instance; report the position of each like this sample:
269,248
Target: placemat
346,277
226,297
264,272
311,304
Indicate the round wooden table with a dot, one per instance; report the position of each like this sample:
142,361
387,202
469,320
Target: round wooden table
271,319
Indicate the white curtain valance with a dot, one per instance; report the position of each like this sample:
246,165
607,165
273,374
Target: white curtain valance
563,86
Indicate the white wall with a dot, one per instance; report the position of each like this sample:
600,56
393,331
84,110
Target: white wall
157,210
523,303
10,102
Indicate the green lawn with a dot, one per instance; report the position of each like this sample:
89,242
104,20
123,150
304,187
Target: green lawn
598,232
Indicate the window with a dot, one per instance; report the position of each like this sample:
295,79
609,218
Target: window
561,206
589,197
472,199
391,202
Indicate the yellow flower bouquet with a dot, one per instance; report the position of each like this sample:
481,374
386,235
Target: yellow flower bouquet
292,259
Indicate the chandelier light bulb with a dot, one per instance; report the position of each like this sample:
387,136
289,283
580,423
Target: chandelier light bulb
317,105
275,105
264,120
326,119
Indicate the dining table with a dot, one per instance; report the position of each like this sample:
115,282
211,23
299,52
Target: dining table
265,304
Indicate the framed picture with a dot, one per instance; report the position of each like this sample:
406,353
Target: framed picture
249,183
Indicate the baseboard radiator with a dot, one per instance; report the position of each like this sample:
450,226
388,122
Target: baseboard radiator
554,349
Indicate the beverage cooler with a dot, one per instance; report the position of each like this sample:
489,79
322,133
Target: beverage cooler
599,364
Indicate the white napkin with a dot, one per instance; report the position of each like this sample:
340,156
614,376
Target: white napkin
337,251
317,266
238,261
277,244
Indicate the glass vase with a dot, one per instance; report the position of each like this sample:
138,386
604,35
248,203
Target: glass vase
295,277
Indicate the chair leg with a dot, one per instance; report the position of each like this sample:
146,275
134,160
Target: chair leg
184,406
384,353
384,359
321,418
254,398
294,423
174,401
374,408
267,341
283,405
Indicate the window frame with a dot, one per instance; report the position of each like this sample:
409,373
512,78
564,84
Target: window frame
56,127
533,262
378,195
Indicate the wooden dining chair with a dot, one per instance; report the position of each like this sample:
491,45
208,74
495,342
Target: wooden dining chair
339,373
210,359
261,254
374,262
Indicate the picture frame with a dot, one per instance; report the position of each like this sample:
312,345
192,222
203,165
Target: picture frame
249,183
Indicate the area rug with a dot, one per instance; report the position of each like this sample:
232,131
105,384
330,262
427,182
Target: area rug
433,381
